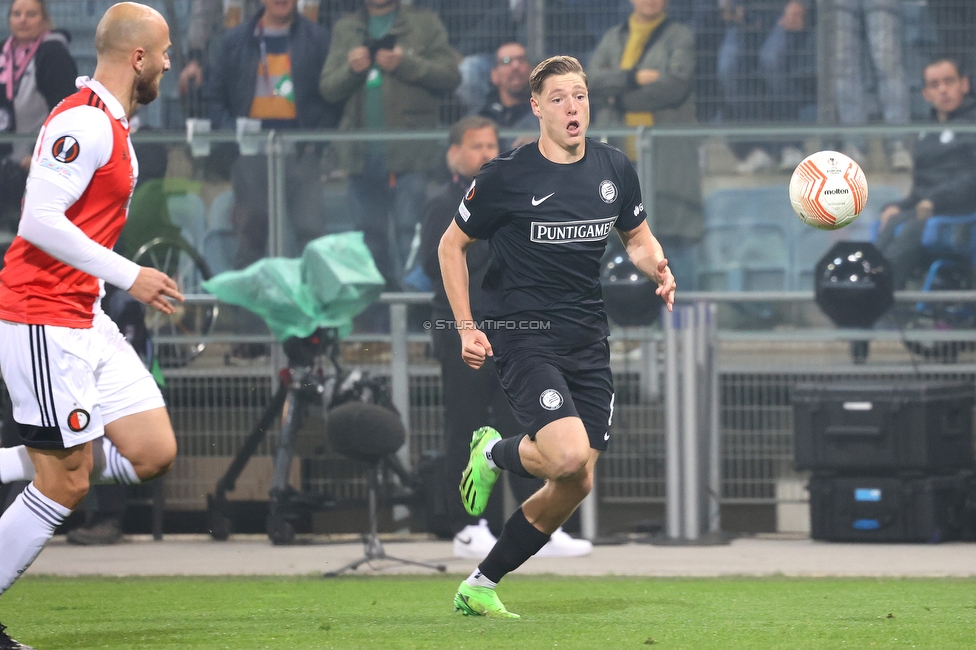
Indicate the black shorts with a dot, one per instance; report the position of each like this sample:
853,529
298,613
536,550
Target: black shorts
543,386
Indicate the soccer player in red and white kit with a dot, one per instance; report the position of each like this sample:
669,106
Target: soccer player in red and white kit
87,408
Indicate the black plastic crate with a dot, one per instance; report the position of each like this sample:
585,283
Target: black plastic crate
889,509
872,428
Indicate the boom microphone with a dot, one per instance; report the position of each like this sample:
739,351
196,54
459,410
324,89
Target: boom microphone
364,431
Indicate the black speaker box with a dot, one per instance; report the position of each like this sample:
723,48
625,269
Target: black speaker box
889,509
877,428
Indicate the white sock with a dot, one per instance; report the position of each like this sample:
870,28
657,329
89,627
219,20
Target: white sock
15,465
111,466
491,461
478,579
25,528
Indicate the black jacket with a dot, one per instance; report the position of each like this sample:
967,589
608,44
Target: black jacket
945,165
438,214
519,116
233,75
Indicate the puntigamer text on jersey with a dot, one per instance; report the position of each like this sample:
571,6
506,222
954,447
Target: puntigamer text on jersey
571,231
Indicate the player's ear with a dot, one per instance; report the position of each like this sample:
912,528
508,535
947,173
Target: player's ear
965,84
138,59
534,103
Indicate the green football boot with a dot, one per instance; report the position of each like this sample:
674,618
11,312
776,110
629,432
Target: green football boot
480,601
478,478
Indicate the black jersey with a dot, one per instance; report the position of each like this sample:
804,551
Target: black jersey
547,224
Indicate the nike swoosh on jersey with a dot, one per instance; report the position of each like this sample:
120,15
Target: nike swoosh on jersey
464,541
536,201
606,436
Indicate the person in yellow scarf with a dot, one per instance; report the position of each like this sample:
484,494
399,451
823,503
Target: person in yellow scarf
642,74
648,16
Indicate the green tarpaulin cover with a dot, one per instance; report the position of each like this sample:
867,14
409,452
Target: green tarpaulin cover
333,281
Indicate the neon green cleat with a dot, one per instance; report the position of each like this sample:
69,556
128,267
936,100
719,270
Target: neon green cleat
480,601
478,478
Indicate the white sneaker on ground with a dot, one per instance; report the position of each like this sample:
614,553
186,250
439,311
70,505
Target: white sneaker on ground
562,545
900,159
474,541
757,160
789,158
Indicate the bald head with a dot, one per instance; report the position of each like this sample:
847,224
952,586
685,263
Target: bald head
128,26
132,41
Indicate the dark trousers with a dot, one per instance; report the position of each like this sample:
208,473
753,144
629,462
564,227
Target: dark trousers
387,209
904,249
473,399
305,219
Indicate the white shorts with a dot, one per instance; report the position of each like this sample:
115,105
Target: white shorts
67,383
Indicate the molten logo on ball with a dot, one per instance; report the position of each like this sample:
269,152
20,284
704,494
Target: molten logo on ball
828,190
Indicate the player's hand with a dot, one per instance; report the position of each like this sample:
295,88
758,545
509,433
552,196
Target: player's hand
474,347
888,213
924,209
645,76
191,72
358,59
389,60
153,287
666,284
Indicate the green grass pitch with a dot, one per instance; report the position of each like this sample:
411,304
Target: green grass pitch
557,612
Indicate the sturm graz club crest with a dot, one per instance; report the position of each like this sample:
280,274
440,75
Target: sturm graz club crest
551,399
608,191
66,149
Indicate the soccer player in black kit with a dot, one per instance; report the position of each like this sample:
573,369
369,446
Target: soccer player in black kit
546,210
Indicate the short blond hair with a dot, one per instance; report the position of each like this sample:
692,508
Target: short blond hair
553,67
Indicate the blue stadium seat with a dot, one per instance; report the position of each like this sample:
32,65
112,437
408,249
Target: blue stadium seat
746,243
188,213
952,240
810,244
764,204
743,256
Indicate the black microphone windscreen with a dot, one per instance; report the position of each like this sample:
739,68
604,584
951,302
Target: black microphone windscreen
364,431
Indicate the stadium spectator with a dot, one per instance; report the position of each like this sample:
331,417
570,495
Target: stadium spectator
944,174
508,103
474,30
268,69
598,17
766,68
208,19
36,72
389,63
642,74
955,22
878,23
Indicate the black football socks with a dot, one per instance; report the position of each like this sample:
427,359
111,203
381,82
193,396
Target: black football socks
519,541
505,455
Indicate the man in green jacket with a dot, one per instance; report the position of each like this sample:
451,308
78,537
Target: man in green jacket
390,64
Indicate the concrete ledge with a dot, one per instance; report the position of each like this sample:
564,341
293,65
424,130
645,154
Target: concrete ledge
760,556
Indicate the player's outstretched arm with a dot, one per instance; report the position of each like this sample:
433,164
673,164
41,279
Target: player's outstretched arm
452,255
43,223
646,253
154,288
